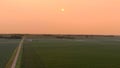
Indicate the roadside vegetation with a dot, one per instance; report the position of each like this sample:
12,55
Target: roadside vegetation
18,64
9,63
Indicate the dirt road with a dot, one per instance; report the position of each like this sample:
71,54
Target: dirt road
17,53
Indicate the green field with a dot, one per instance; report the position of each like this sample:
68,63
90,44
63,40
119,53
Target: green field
56,53
7,47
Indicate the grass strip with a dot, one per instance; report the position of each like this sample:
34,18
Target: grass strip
18,64
8,65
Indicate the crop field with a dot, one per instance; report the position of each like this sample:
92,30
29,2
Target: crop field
7,47
63,53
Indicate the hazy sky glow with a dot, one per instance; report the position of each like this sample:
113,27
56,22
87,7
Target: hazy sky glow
45,16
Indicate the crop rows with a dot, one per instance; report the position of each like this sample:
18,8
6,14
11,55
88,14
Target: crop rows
6,49
46,53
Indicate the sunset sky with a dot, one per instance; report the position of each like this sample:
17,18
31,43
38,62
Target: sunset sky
60,16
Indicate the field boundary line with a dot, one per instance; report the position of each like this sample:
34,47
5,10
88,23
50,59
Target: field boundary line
17,53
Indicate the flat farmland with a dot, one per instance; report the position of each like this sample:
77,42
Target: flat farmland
63,53
7,47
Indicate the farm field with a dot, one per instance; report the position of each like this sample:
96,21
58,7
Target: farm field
63,53
7,47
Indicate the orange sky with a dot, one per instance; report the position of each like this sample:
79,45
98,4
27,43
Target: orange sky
44,16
